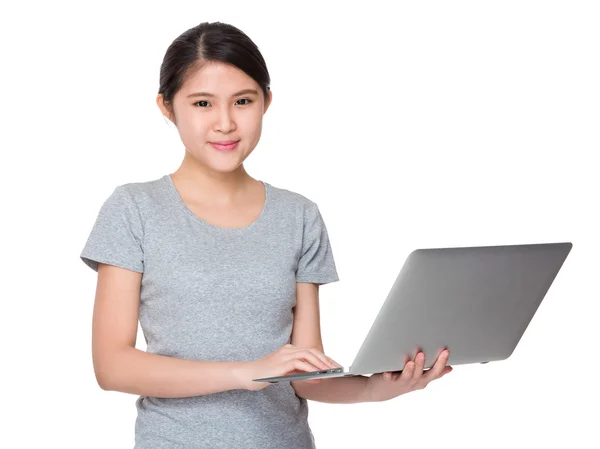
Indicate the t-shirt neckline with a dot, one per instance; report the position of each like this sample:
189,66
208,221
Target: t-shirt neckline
173,189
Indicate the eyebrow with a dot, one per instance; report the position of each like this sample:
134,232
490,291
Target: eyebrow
207,94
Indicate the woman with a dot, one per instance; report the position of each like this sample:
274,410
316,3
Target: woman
222,271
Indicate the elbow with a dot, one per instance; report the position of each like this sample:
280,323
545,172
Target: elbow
104,381
104,384
104,375
108,369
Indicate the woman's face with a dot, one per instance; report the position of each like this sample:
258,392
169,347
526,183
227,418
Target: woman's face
210,107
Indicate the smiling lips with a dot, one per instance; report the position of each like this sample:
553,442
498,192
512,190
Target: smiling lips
225,145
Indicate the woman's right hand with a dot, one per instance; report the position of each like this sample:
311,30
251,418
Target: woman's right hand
288,359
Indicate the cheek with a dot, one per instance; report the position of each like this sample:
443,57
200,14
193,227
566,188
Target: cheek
193,130
250,125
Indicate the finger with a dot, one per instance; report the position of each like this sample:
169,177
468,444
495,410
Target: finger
330,363
447,370
408,371
419,364
307,356
300,365
438,367
311,357
396,374
333,363
322,358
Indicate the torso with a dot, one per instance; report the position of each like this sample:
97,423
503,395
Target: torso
223,295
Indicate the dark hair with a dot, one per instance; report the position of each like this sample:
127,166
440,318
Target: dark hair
208,42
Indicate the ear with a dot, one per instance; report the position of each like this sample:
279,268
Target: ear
163,108
268,101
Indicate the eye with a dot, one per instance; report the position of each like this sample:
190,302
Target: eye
241,99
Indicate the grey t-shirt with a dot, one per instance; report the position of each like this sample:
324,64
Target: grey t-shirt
215,294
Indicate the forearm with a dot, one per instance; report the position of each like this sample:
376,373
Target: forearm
137,372
337,390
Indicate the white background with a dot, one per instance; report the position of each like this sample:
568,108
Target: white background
414,124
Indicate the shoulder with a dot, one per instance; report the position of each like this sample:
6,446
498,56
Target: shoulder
135,200
291,197
141,194
304,208
140,189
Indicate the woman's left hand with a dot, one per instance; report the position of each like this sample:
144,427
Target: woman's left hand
385,386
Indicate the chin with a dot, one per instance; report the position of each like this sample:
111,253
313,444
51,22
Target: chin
223,167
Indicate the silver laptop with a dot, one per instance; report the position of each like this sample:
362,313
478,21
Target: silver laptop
475,301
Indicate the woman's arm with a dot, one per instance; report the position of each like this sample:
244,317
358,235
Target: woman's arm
119,366
306,333
130,370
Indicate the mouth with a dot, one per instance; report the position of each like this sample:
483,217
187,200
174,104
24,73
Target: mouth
226,145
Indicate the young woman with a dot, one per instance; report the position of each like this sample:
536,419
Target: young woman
222,271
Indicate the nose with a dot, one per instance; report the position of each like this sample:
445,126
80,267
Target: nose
225,122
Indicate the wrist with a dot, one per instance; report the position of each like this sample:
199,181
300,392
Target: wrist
371,393
239,372
367,395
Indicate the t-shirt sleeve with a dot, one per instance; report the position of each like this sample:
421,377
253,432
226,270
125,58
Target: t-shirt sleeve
316,263
117,235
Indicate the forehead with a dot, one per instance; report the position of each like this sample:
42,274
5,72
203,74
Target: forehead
218,78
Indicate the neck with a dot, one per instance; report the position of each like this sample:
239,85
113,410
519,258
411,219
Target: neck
212,187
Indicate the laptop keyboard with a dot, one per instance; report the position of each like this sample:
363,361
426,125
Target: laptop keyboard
327,371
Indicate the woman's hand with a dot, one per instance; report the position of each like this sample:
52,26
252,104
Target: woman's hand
286,360
385,386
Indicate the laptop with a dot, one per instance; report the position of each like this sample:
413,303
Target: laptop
475,301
